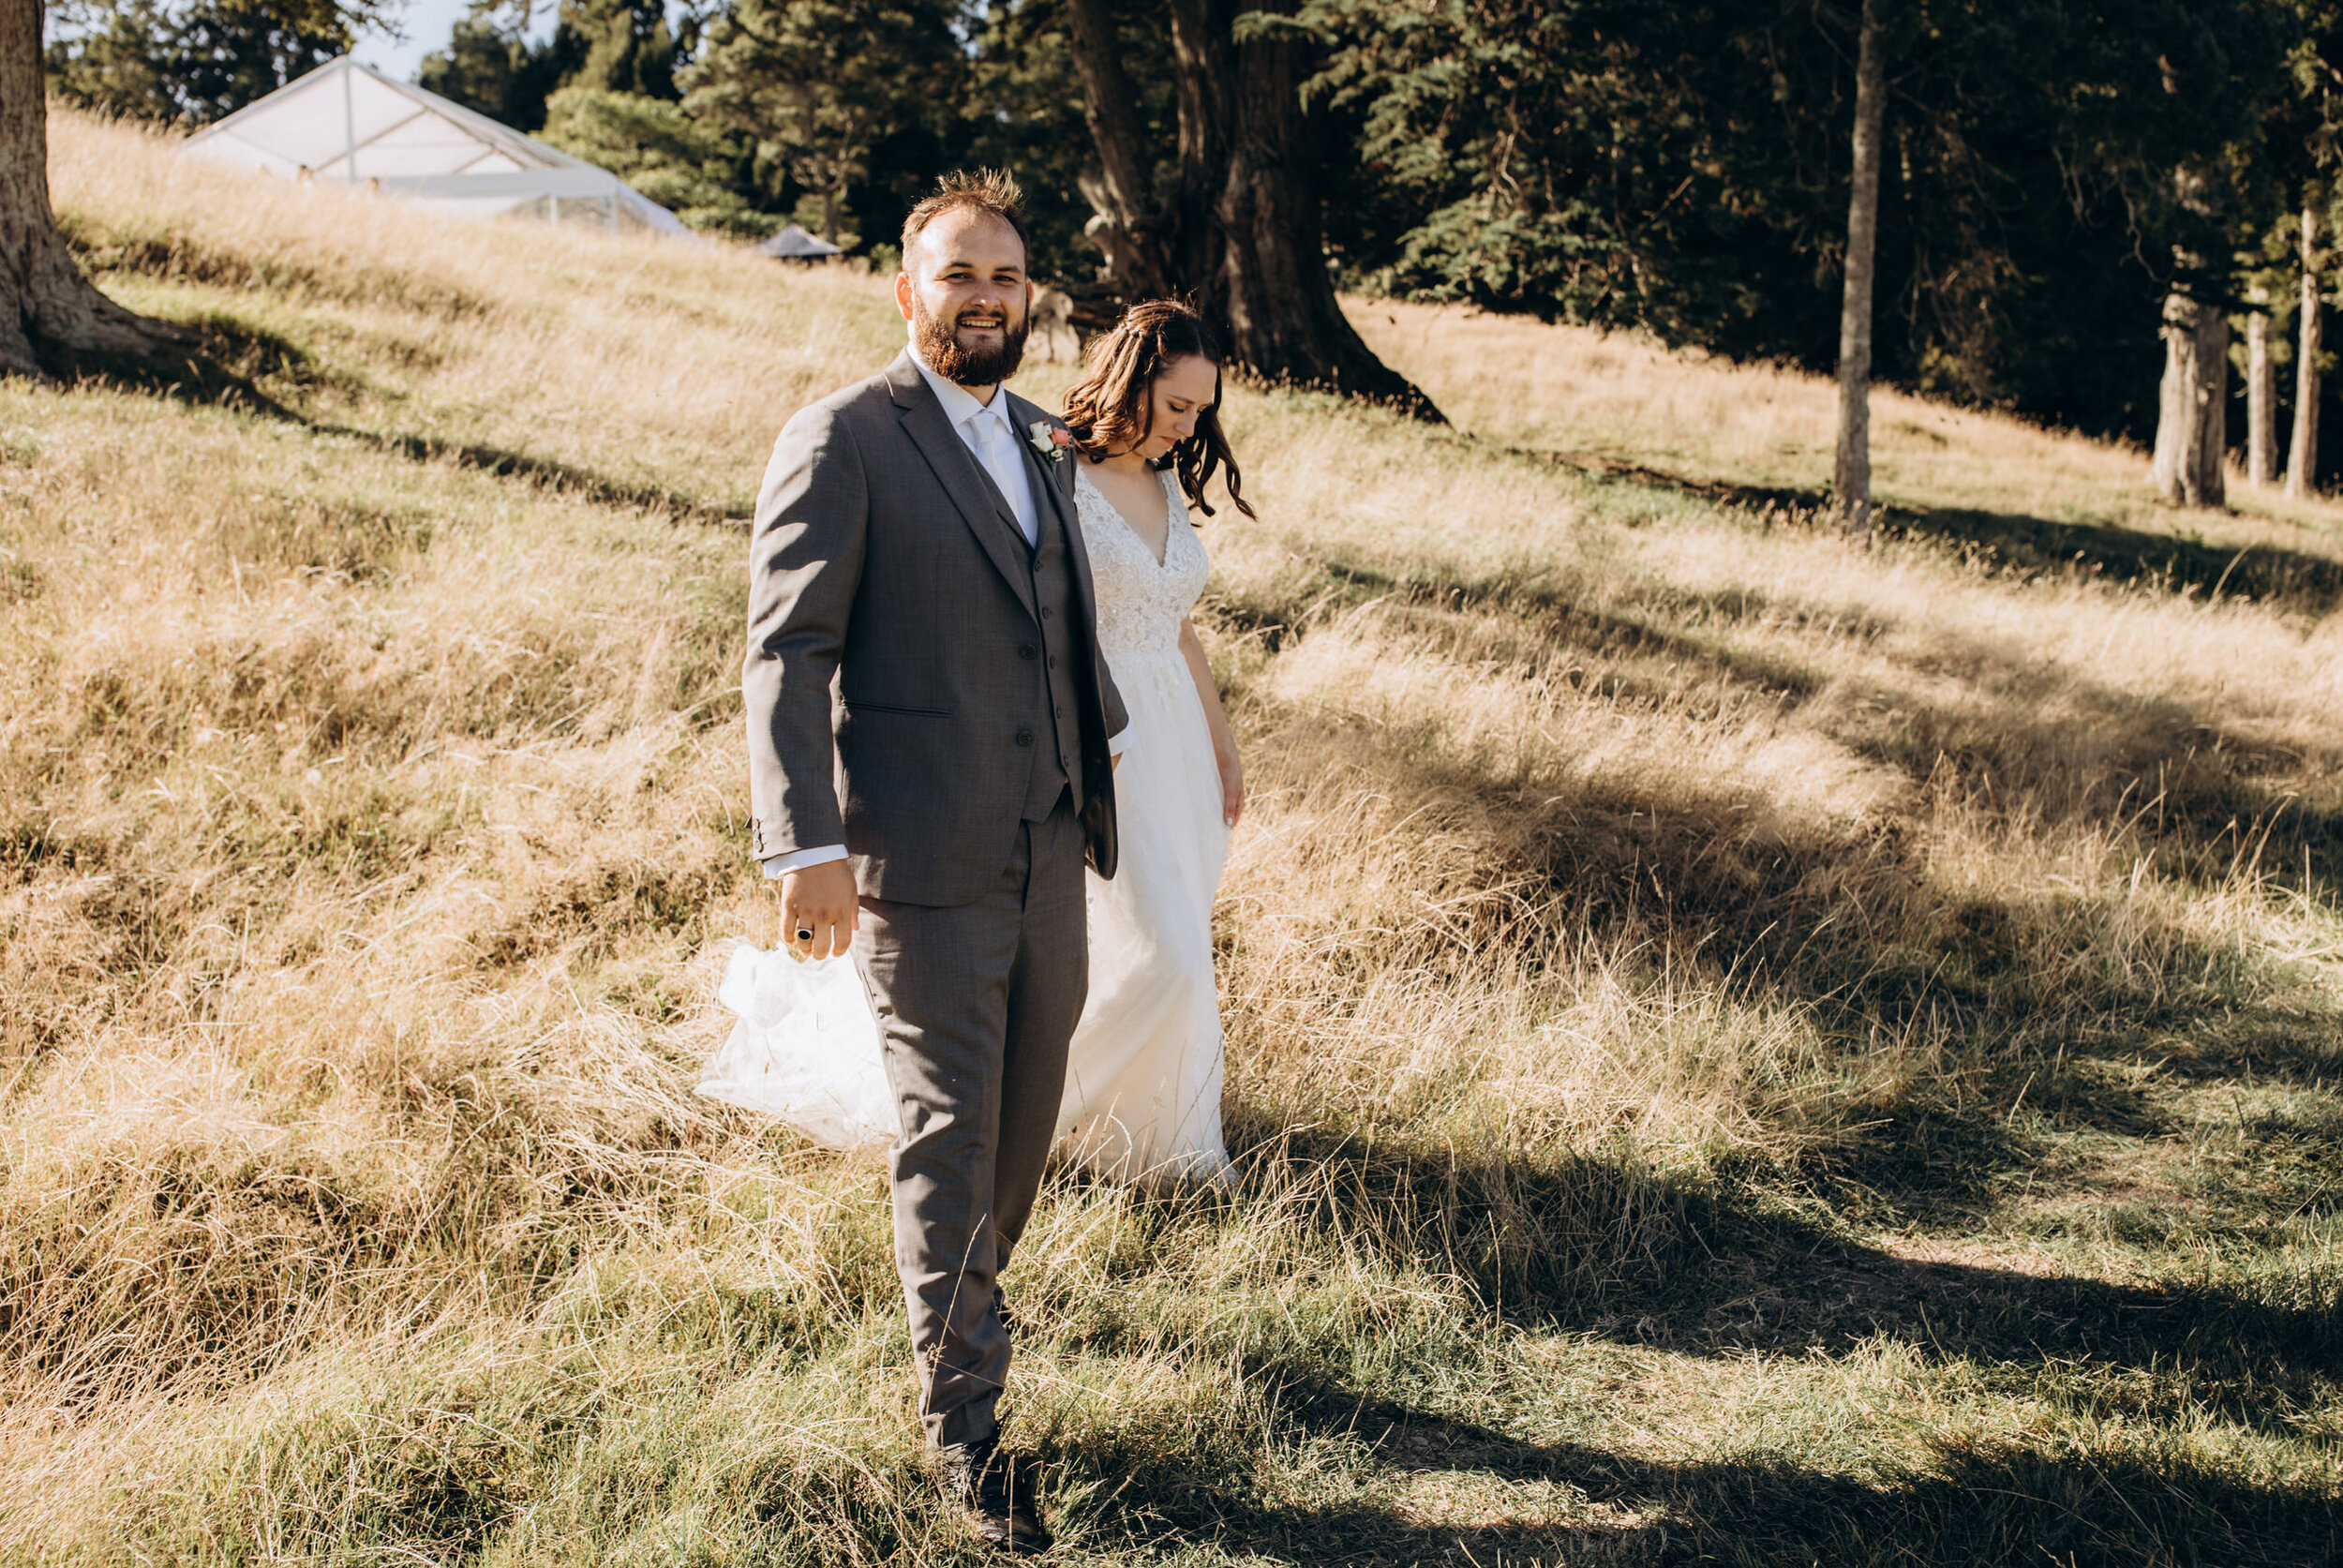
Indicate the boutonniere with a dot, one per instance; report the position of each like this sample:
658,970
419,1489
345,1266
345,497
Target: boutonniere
1051,442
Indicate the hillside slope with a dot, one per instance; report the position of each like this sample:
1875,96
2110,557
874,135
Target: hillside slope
1741,1048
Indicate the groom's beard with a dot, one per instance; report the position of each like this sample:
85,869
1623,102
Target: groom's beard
940,346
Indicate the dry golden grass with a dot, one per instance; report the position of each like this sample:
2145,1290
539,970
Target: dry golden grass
1740,1046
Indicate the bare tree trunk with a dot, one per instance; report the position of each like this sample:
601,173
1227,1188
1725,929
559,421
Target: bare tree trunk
2302,453
2261,397
1125,226
2192,404
1851,477
43,293
1273,289
1239,233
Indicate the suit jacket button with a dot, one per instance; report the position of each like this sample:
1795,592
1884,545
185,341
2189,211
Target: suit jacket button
1027,650
1025,738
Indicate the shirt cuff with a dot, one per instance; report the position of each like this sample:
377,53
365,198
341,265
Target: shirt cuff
1121,743
781,865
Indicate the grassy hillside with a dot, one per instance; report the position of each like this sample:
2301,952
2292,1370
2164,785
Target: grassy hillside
1741,1049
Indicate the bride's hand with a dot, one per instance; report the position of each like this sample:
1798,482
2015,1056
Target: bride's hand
1231,786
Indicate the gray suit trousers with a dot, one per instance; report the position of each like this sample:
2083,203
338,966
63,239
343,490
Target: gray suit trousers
976,1004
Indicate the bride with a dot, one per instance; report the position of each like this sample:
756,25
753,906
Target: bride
1143,1076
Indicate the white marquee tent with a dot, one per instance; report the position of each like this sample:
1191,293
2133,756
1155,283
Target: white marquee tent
350,124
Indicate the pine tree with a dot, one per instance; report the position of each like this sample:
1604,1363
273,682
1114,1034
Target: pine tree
816,86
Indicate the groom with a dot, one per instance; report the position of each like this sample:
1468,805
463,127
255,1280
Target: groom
932,733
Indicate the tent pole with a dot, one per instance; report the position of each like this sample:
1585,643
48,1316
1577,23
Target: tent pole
350,125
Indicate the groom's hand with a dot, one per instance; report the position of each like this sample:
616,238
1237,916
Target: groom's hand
819,900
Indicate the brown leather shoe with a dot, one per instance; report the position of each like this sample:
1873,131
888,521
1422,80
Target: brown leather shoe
996,1501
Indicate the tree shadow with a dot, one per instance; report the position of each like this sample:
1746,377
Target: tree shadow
221,367
2030,545
1974,1501
2199,790
1744,1262
229,367
2015,541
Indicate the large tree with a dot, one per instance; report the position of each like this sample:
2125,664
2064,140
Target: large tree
1686,170
47,298
1232,220
819,85
195,60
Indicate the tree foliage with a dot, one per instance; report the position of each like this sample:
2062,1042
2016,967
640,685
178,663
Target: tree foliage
2053,169
1683,169
195,60
833,93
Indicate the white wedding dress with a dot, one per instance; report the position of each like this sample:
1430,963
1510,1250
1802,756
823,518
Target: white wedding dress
1143,1076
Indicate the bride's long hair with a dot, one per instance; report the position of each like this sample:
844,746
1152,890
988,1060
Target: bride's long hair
1113,408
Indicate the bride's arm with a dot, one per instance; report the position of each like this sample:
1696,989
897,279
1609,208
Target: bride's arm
1223,738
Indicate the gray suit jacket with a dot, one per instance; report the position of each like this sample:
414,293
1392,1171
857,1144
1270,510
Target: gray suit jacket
890,591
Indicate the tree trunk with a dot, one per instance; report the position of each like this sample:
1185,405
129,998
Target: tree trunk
2261,397
2193,403
1239,234
1851,477
1125,226
2302,453
46,295
1273,289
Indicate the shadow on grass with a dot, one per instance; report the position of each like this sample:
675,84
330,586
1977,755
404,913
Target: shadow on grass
2205,796
2013,540
2029,544
221,368
1974,1502
546,473
1591,1244
230,363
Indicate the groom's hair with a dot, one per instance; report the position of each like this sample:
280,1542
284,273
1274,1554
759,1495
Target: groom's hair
963,190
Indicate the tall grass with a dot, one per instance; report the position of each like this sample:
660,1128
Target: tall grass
1740,1047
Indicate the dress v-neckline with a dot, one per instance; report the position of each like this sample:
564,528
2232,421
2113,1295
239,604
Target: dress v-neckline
1162,561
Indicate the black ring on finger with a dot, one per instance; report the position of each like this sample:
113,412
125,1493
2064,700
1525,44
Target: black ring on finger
805,933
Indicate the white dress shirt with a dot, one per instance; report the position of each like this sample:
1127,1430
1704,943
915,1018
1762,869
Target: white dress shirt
985,430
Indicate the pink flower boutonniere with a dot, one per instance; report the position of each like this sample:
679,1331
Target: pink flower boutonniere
1051,442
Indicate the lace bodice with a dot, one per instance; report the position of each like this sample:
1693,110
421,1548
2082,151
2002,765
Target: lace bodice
1140,604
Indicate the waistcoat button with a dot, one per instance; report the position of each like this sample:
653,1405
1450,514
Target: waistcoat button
1027,650
1025,738
1045,612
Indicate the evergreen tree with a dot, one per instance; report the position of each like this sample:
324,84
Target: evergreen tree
617,46
492,68
676,160
1684,168
197,59
835,93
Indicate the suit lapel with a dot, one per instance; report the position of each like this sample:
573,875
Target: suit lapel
1056,480
1053,478
972,494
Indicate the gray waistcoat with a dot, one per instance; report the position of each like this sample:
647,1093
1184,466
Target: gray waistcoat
1056,744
